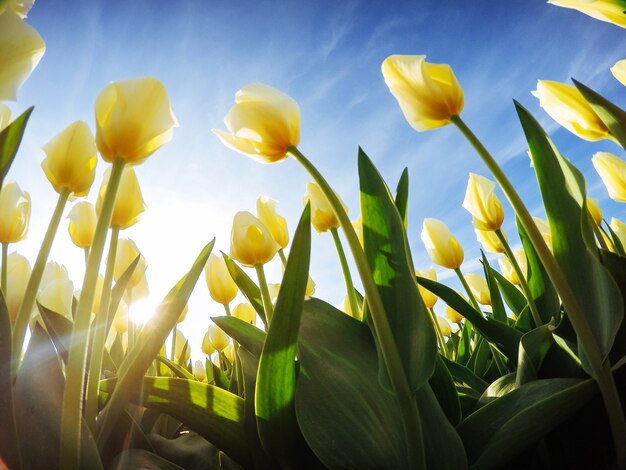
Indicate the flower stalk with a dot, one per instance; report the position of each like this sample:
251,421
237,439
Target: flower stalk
354,305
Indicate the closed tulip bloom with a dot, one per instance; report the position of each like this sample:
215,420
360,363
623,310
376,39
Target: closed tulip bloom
129,203
181,344
229,353
507,268
221,285
5,116
612,170
133,120
251,243
125,254
219,339
18,274
428,94
71,159
444,326
323,216
245,312
594,210
443,249
619,71
619,228
19,7
21,49
199,372
83,220
138,291
489,241
481,201
56,290
120,320
479,287
277,225
15,207
567,106
263,123
207,347
611,11
452,315
273,289
428,297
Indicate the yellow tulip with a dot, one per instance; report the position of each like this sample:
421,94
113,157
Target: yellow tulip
120,320
567,106
507,268
125,254
181,342
489,241
443,249
14,213
18,274
612,170
19,7
5,116
129,203
219,339
481,201
611,11
594,210
428,297
21,49
207,347
444,326
277,225
323,216
56,290
133,120
619,228
273,289
263,123
479,287
229,352
83,220
245,312
310,288
221,285
619,71
199,372
428,94
71,159
139,291
251,243
452,315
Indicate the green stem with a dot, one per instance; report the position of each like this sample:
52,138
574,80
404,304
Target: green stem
391,356
354,305
5,255
98,335
600,369
469,292
86,256
438,332
520,275
265,293
174,334
72,408
283,258
227,309
30,294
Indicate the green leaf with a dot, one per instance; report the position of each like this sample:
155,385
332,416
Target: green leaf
177,369
533,348
564,196
247,335
402,197
247,287
215,414
189,450
497,306
59,329
387,251
512,295
140,458
442,385
9,446
117,292
462,374
10,139
276,377
616,265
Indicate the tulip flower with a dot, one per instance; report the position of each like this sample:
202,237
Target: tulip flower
140,291
5,116
133,120
443,249
21,49
489,241
323,216
19,7
199,372
251,243
82,225
120,320
219,339
479,288
506,267
18,273
273,289
444,326
71,159
14,213
619,228
428,297
129,203
567,106
207,347
619,71
181,342
612,170
263,123
481,201
277,225
229,353
594,210
611,11
221,285
126,253
245,312
56,290
452,315
428,94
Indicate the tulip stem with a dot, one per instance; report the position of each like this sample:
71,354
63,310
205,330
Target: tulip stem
227,309
5,255
283,258
470,294
601,369
30,294
71,411
439,333
86,255
265,293
520,275
387,344
354,305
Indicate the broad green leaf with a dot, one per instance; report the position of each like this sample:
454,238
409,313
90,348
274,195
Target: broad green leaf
464,347
9,446
59,329
564,196
10,139
462,374
189,450
402,197
276,377
387,251
511,294
442,385
533,348
247,287
617,267
497,306
249,336
140,458
177,369
215,414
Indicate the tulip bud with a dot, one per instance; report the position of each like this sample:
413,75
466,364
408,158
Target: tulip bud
273,289
594,210
444,326
71,159
18,274
482,202
276,224
452,315
5,116
138,291
245,312
479,287
611,11
428,94
489,241
428,297
441,246
83,220
21,49
207,347
125,254
619,71
199,372
619,228
133,119
567,106
229,352
219,339
120,320
506,267
612,170
19,7
56,290
251,243
323,216
263,123
182,344
221,285
14,213
129,204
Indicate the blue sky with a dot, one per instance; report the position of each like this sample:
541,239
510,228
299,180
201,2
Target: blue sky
327,56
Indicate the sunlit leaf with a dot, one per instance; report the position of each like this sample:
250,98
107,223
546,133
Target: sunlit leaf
249,336
247,287
8,433
10,139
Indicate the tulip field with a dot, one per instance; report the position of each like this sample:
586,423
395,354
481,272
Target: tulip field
523,368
